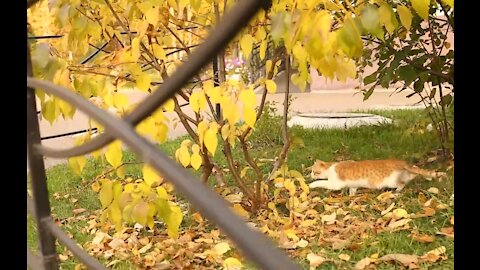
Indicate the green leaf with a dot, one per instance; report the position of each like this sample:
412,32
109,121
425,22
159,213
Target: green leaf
370,78
418,85
407,73
41,55
106,193
367,94
405,16
421,7
446,100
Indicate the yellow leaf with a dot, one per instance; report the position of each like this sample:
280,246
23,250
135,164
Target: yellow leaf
169,105
77,164
106,193
116,216
211,140
225,131
246,44
173,221
152,15
140,212
196,161
260,34
405,16
114,154
198,101
66,109
120,101
202,127
387,17
135,48
268,66
151,176
221,248
271,86
250,116
230,112
263,49
247,97
232,264
184,156
96,187
448,2
239,210
50,111
143,82
400,213
421,7
158,52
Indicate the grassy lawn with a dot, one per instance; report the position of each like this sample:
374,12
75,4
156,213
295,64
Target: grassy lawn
406,139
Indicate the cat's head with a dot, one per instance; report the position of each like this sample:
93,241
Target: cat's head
319,169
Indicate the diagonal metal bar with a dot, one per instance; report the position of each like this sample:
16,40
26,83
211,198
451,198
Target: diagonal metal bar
227,28
80,254
31,207
254,245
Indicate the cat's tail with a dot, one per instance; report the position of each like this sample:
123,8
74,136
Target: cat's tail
428,174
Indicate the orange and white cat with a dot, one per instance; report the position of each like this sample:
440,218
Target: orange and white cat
373,174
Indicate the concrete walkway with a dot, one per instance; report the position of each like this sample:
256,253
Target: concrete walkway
346,100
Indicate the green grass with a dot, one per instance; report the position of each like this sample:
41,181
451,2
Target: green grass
405,139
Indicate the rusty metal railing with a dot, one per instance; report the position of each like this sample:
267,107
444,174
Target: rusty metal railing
253,244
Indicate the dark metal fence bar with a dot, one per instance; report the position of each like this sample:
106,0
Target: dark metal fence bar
38,179
254,245
33,261
217,40
79,253
31,207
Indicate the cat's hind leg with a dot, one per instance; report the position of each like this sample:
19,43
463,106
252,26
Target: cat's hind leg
352,191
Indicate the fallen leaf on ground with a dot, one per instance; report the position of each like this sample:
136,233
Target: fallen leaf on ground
400,213
315,260
435,254
404,259
451,220
423,238
399,223
385,196
344,257
329,219
302,243
360,265
433,190
78,211
448,231
232,264
62,257
221,248
384,212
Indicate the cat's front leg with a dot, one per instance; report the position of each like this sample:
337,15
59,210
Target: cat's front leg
352,191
